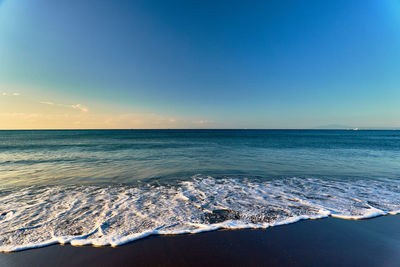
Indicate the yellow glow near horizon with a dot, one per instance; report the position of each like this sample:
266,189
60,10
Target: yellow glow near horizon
20,112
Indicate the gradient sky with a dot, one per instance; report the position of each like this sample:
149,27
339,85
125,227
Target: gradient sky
199,64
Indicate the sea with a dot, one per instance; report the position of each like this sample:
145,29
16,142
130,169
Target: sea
110,187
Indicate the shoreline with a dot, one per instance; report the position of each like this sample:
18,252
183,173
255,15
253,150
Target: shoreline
327,241
224,226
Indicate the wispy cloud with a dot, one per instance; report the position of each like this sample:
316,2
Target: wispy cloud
203,122
10,94
75,106
47,103
80,107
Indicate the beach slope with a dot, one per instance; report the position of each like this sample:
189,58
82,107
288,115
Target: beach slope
324,242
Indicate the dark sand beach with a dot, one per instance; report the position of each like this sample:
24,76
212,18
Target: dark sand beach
324,242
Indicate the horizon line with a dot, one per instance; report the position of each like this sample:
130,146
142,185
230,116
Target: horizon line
138,129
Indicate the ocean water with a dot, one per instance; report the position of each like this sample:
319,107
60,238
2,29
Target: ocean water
109,187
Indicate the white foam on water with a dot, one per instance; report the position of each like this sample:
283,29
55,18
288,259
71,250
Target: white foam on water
114,215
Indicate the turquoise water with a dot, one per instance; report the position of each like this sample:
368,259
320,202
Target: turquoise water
131,156
111,186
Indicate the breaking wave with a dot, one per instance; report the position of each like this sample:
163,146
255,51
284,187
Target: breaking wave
113,215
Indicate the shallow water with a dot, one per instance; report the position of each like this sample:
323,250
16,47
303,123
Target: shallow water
108,187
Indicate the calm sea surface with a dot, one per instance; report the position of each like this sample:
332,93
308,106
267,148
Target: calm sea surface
111,186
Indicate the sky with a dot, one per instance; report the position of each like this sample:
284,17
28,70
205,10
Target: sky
199,64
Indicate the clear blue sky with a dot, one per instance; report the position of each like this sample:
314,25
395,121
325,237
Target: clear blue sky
201,64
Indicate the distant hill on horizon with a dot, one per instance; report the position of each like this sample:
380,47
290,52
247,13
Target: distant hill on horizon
347,127
334,126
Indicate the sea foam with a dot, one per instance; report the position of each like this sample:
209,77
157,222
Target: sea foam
113,215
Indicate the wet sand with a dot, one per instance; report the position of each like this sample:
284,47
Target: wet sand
325,242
